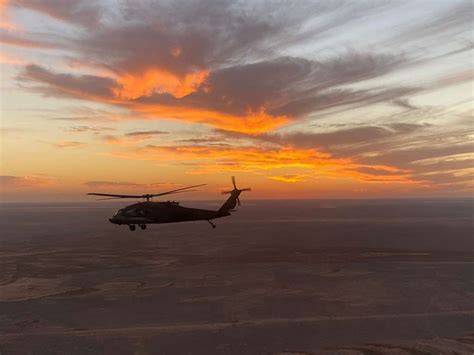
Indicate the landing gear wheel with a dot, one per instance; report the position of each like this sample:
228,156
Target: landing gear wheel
212,224
132,227
143,226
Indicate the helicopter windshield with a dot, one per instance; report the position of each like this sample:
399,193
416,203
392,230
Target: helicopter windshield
117,213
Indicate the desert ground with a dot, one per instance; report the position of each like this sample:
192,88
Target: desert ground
283,277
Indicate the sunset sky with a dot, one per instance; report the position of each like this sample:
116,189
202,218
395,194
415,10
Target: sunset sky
297,99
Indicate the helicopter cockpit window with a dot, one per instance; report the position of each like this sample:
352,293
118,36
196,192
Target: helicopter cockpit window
130,212
118,212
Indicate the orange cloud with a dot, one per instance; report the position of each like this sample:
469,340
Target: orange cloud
308,162
290,178
105,90
251,123
132,86
121,91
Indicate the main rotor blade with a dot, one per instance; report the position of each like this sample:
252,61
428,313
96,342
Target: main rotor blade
246,189
178,192
175,191
116,196
233,182
109,198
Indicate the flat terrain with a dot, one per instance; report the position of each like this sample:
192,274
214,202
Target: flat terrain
288,277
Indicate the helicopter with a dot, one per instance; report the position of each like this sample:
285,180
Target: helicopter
149,212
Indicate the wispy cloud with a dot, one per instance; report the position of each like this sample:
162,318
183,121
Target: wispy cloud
68,144
30,181
131,138
16,39
92,129
83,13
145,134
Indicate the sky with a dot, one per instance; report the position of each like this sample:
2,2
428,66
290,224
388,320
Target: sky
297,99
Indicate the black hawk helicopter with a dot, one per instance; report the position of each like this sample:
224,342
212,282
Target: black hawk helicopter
150,212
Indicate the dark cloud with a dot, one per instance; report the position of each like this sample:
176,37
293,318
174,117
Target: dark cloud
206,140
177,37
93,129
295,86
340,100
145,133
343,137
184,36
80,86
405,103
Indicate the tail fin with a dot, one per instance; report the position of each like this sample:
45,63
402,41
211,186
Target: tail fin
233,200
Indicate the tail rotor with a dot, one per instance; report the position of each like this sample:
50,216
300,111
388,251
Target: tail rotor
234,199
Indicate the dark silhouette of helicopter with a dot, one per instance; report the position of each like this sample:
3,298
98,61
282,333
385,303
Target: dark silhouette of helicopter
150,212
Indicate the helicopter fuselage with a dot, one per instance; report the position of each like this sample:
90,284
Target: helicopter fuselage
144,213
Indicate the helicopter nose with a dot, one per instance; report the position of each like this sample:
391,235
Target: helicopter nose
113,220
